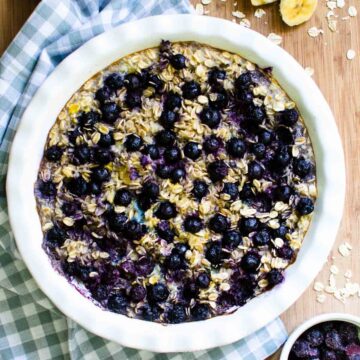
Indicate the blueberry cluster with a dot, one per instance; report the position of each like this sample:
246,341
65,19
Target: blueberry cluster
141,283
333,340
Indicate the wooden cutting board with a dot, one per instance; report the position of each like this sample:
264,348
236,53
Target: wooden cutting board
337,77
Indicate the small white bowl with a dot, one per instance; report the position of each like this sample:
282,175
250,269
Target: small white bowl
314,321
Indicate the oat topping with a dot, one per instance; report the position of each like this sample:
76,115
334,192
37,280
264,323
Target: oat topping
176,184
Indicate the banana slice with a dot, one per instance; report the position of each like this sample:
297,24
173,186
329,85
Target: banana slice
295,12
261,2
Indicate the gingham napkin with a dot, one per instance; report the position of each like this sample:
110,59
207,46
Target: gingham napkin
30,326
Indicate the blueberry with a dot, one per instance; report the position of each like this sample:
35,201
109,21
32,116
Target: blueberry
166,210
191,90
144,266
333,340
245,98
178,61
256,114
77,186
165,138
250,262
172,155
219,100
114,81
329,355
158,293
302,167
54,153
262,238
172,101
69,208
133,81
246,193
248,225
110,112
259,150
155,82
288,117
231,239
176,314
265,137
192,150
231,189
163,171
243,81
274,277
181,248
106,140
203,280
211,144
302,349
103,94
133,99
177,174
168,119
149,313
236,147
152,151
56,236
284,135
282,158
193,224
281,231
47,188
100,174
200,312
88,119
305,206
174,261
217,170
133,142
219,223
133,230
215,75
82,154
103,156
214,253
99,293
255,170
210,117
348,333
117,303
200,189
315,337
123,197
283,193
73,135
164,231
285,252
94,188
137,293
116,221
151,190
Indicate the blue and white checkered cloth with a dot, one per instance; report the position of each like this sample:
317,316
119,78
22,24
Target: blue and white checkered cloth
30,326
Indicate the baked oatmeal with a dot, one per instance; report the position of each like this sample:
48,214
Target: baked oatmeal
176,184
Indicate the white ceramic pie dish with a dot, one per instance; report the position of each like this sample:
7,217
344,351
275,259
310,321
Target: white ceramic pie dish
96,54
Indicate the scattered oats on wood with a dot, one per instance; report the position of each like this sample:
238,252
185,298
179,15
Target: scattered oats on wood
352,11
332,24
331,5
340,3
321,298
245,23
275,38
319,286
309,71
350,54
259,13
348,274
334,269
199,9
344,249
206,2
238,14
314,31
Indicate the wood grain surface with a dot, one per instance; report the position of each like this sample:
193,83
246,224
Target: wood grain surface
339,80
